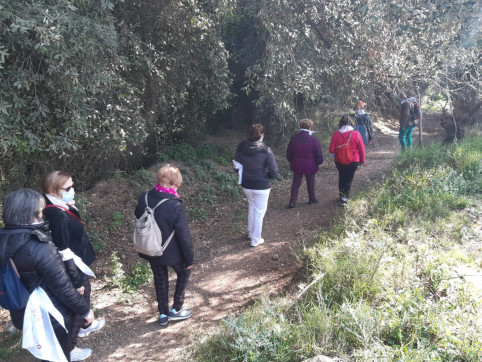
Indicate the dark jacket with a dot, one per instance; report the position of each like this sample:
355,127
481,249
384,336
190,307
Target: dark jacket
39,264
169,216
69,233
304,153
259,165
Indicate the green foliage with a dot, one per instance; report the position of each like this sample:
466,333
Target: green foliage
116,275
184,152
11,346
387,279
326,54
62,95
204,161
97,242
259,335
117,278
117,220
196,213
178,60
141,274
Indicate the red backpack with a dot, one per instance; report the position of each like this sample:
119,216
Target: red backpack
343,153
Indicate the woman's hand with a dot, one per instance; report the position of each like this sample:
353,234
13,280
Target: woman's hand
90,318
81,290
189,267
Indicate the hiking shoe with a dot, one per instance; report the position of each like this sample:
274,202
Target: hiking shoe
163,320
79,354
179,316
291,205
95,326
314,201
343,201
260,241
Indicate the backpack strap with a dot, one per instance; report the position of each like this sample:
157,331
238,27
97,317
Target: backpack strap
347,143
14,266
66,210
149,210
147,204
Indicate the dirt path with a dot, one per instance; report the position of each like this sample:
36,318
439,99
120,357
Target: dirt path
229,275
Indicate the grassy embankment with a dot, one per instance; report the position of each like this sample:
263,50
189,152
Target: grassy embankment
391,281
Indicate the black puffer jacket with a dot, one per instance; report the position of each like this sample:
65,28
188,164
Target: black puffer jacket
169,216
39,264
69,233
259,165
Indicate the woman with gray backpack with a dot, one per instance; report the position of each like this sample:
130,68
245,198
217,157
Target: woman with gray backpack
174,247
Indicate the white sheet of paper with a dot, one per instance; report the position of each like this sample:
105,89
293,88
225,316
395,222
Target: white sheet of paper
239,167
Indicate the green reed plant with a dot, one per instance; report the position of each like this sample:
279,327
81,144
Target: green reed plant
261,334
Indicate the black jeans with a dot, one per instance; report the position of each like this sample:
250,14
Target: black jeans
345,177
78,320
161,282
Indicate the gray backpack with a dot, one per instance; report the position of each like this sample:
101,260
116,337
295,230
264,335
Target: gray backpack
147,234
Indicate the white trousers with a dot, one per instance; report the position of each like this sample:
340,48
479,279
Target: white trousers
258,203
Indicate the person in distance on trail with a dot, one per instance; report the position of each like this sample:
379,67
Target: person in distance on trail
408,114
26,239
346,136
69,235
304,155
257,165
179,254
363,122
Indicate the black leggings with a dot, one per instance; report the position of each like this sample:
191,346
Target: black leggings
345,177
78,320
161,282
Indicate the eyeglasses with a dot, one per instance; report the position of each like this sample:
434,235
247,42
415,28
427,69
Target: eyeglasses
67,189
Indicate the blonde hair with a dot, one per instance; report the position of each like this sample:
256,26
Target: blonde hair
306,123
53,182
169,175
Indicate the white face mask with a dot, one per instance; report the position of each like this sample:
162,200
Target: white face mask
69,195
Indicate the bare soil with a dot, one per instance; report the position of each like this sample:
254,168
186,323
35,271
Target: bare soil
229,275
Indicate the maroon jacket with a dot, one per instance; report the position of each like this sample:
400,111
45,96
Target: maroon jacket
304,153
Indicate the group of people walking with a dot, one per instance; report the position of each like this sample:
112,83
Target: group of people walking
256,164
45,238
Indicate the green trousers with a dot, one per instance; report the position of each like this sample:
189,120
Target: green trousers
405,137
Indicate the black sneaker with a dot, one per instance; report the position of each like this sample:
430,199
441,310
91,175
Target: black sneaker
291,205
163,320
314,201
179,316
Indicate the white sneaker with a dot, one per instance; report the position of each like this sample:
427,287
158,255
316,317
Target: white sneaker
79,354
260,241
95,326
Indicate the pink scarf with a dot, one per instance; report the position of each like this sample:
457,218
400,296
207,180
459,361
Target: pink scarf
170,190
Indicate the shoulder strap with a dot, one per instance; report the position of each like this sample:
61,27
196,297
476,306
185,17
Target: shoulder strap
166,244
347,142
66,210
160,202
14,267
